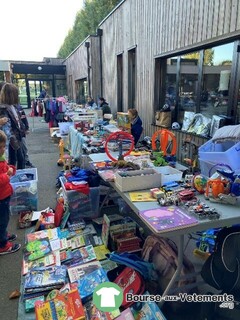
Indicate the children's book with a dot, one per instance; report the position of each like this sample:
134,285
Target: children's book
42,262
65,233
51,234
77,241
30,303
81,224
65,256
37,249
79,271
89,229
90,281
126,315
94,240
165,219
108,221
53,276
55,244
87,253
141,196
93,313
64,306
65,218
101,252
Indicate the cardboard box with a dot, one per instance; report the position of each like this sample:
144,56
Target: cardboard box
137,180
123,121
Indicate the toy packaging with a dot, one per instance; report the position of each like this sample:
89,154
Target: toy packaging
89,282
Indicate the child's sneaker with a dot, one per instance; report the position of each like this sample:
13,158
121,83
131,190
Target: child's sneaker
11,237
10,248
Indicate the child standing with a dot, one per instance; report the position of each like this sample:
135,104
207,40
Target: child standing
6,190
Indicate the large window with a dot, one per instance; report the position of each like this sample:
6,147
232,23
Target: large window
199,81
188,83
217,65
81,87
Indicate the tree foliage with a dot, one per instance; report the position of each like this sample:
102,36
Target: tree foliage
86,22
208,56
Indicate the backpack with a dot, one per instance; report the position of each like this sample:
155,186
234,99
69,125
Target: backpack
130,281
163,254
222,270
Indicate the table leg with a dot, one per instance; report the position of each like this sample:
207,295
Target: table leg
178,270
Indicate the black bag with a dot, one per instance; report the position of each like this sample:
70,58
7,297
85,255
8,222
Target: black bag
222,269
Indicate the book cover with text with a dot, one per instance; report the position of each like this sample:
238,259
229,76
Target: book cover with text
167,218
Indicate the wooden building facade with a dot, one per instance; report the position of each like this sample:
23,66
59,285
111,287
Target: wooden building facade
83,70
151,52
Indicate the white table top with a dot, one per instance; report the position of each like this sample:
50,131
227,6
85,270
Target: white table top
230,215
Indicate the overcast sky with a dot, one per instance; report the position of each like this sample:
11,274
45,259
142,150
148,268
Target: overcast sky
33,29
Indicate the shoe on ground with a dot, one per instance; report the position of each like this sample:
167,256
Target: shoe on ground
10,248
29,164
11,237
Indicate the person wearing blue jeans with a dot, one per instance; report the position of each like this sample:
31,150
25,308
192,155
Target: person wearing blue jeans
6,190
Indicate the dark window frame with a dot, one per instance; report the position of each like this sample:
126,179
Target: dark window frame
160,74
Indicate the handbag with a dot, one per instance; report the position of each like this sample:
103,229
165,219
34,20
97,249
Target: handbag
163,118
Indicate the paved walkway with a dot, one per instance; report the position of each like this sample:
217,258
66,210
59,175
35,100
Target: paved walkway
44,155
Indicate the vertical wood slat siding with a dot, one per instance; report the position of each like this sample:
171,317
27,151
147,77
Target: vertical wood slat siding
205,21
180,30
210,18
196,13
176,6
215,18
234,10
200,14
95,67
221,14
154,27
227,16
187,10
238,18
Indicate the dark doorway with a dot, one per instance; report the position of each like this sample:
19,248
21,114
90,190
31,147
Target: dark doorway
81,90
131,78
120,83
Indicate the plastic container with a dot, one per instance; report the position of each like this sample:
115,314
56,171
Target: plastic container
81,205
209,168
169,174
227,152
25,193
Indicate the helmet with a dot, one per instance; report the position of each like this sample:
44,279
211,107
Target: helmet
176,126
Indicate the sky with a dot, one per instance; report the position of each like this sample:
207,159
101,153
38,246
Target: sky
34,29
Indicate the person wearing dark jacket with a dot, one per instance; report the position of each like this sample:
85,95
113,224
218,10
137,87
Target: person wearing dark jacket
24,143
14,128
136,125
104,106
